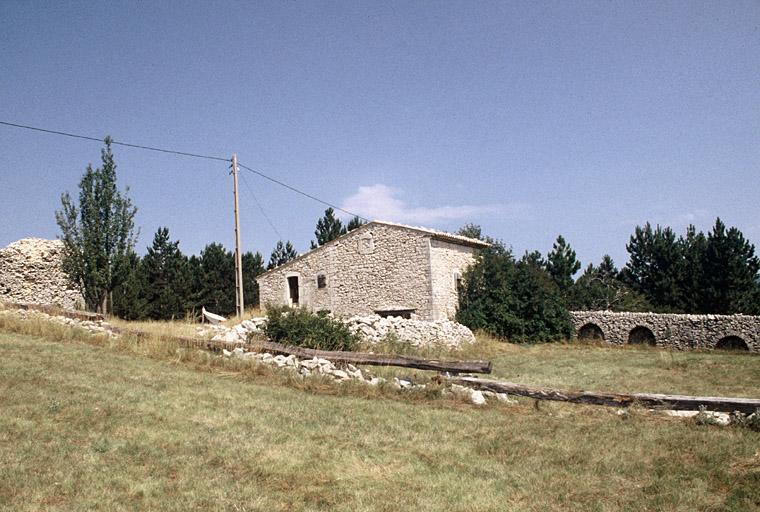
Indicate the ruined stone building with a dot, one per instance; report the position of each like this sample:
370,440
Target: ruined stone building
380,267
30,272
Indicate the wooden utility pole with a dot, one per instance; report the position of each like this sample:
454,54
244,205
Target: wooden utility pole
239,303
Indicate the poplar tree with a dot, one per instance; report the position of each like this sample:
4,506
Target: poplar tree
97,233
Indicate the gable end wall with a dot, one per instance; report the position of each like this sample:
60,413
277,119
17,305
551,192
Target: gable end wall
393,270
446,259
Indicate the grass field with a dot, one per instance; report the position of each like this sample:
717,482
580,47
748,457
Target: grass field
604,367
102,425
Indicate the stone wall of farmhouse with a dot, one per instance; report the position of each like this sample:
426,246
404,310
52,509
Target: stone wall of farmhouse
376,268
447,262
30,272
681,332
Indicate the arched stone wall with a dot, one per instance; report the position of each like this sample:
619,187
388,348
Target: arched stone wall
681,332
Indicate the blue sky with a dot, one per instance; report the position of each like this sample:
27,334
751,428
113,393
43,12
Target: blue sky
529,118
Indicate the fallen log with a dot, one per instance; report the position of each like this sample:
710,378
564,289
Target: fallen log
649,400
376,359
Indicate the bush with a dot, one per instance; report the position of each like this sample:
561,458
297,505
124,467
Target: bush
516,300
302,328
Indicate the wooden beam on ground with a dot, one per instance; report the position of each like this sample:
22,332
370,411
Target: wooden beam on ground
649,400
376,359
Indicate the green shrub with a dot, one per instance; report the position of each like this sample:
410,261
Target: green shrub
302,328
512,299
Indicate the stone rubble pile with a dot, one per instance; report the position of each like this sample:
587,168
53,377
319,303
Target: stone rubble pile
307,367
372,329
345,372
418,333
30,272
94,326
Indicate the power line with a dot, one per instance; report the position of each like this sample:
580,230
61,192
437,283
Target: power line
184,153
301,192
261,208
127,144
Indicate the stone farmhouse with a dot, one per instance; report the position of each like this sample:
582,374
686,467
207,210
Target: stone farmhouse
382,268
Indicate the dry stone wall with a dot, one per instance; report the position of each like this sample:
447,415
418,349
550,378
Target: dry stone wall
681,332
30,272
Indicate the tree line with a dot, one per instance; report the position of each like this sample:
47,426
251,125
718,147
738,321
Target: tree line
519,298
166,284
528,298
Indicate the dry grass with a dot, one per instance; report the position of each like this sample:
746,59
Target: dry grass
604,367
100,426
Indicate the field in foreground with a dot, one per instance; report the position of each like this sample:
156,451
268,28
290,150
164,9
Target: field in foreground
88,427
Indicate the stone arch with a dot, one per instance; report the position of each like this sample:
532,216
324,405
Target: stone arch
591,331
641,335
732,343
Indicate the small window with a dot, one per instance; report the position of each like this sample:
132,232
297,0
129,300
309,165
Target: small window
457,281
321,281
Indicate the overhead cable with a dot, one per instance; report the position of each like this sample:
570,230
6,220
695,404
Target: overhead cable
261,208
305,194
119,143
184,153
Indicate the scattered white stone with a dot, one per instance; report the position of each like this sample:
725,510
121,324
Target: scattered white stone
720,418
477,398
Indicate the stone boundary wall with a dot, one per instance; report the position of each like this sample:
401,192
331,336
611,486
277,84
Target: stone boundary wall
681,332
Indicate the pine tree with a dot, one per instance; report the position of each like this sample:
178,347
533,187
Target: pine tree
167,278
355,222
534,258
217,283
694,247
562,264
600,289
129,296
253,265
656,267
471,230
282,254
730,271
98,234
329,228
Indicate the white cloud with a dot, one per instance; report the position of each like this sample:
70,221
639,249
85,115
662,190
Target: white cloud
381,202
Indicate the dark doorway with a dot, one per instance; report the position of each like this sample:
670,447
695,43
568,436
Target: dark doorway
732,343
590,332
293,289
641,336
